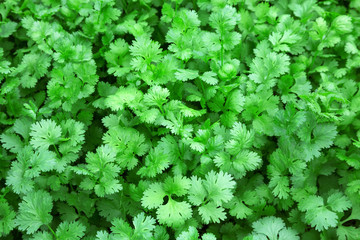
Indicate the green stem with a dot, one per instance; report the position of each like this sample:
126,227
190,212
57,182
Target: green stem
176,8
349,218
52,231
71,187
24,4
314,58
99,13
317,50
161,110
56,150
222,50
203,103
145,4
124,6
202,86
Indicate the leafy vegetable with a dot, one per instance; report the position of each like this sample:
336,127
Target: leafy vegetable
179,119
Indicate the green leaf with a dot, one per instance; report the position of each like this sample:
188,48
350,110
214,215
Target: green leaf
317,215
342,24
348,233
156,96
174,213
44,134
267,66
143,226
11,142
29,165
42,236
7,216
123,97
186,74
238,209
192,234
210,212
127,143
155,163
272,228
34,211
70,231
7,28
118,58
224,20
32,68
153,196
102,235
338,202
209,78
144,52
218,187
103,172
121,228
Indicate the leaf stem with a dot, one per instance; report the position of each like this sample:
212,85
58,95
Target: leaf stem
56,150
24,4
99,13
202,102
317,50
222,50
52,231
161,109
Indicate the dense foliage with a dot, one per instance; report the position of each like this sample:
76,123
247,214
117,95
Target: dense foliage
179,119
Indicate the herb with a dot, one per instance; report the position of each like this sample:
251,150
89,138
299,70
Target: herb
179,119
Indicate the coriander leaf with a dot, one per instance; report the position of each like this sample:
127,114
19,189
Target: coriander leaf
317,214
155,162
210,212
272,228
44,134
153,196
156,96
209,78
143,228
7,28
102,172
174,213
219,187
338,202
34,211
342,24
186,74
127,143
347,233
70,231
11,142
7,218
118,58
143,225
267,66
123,97
192,234
145,53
